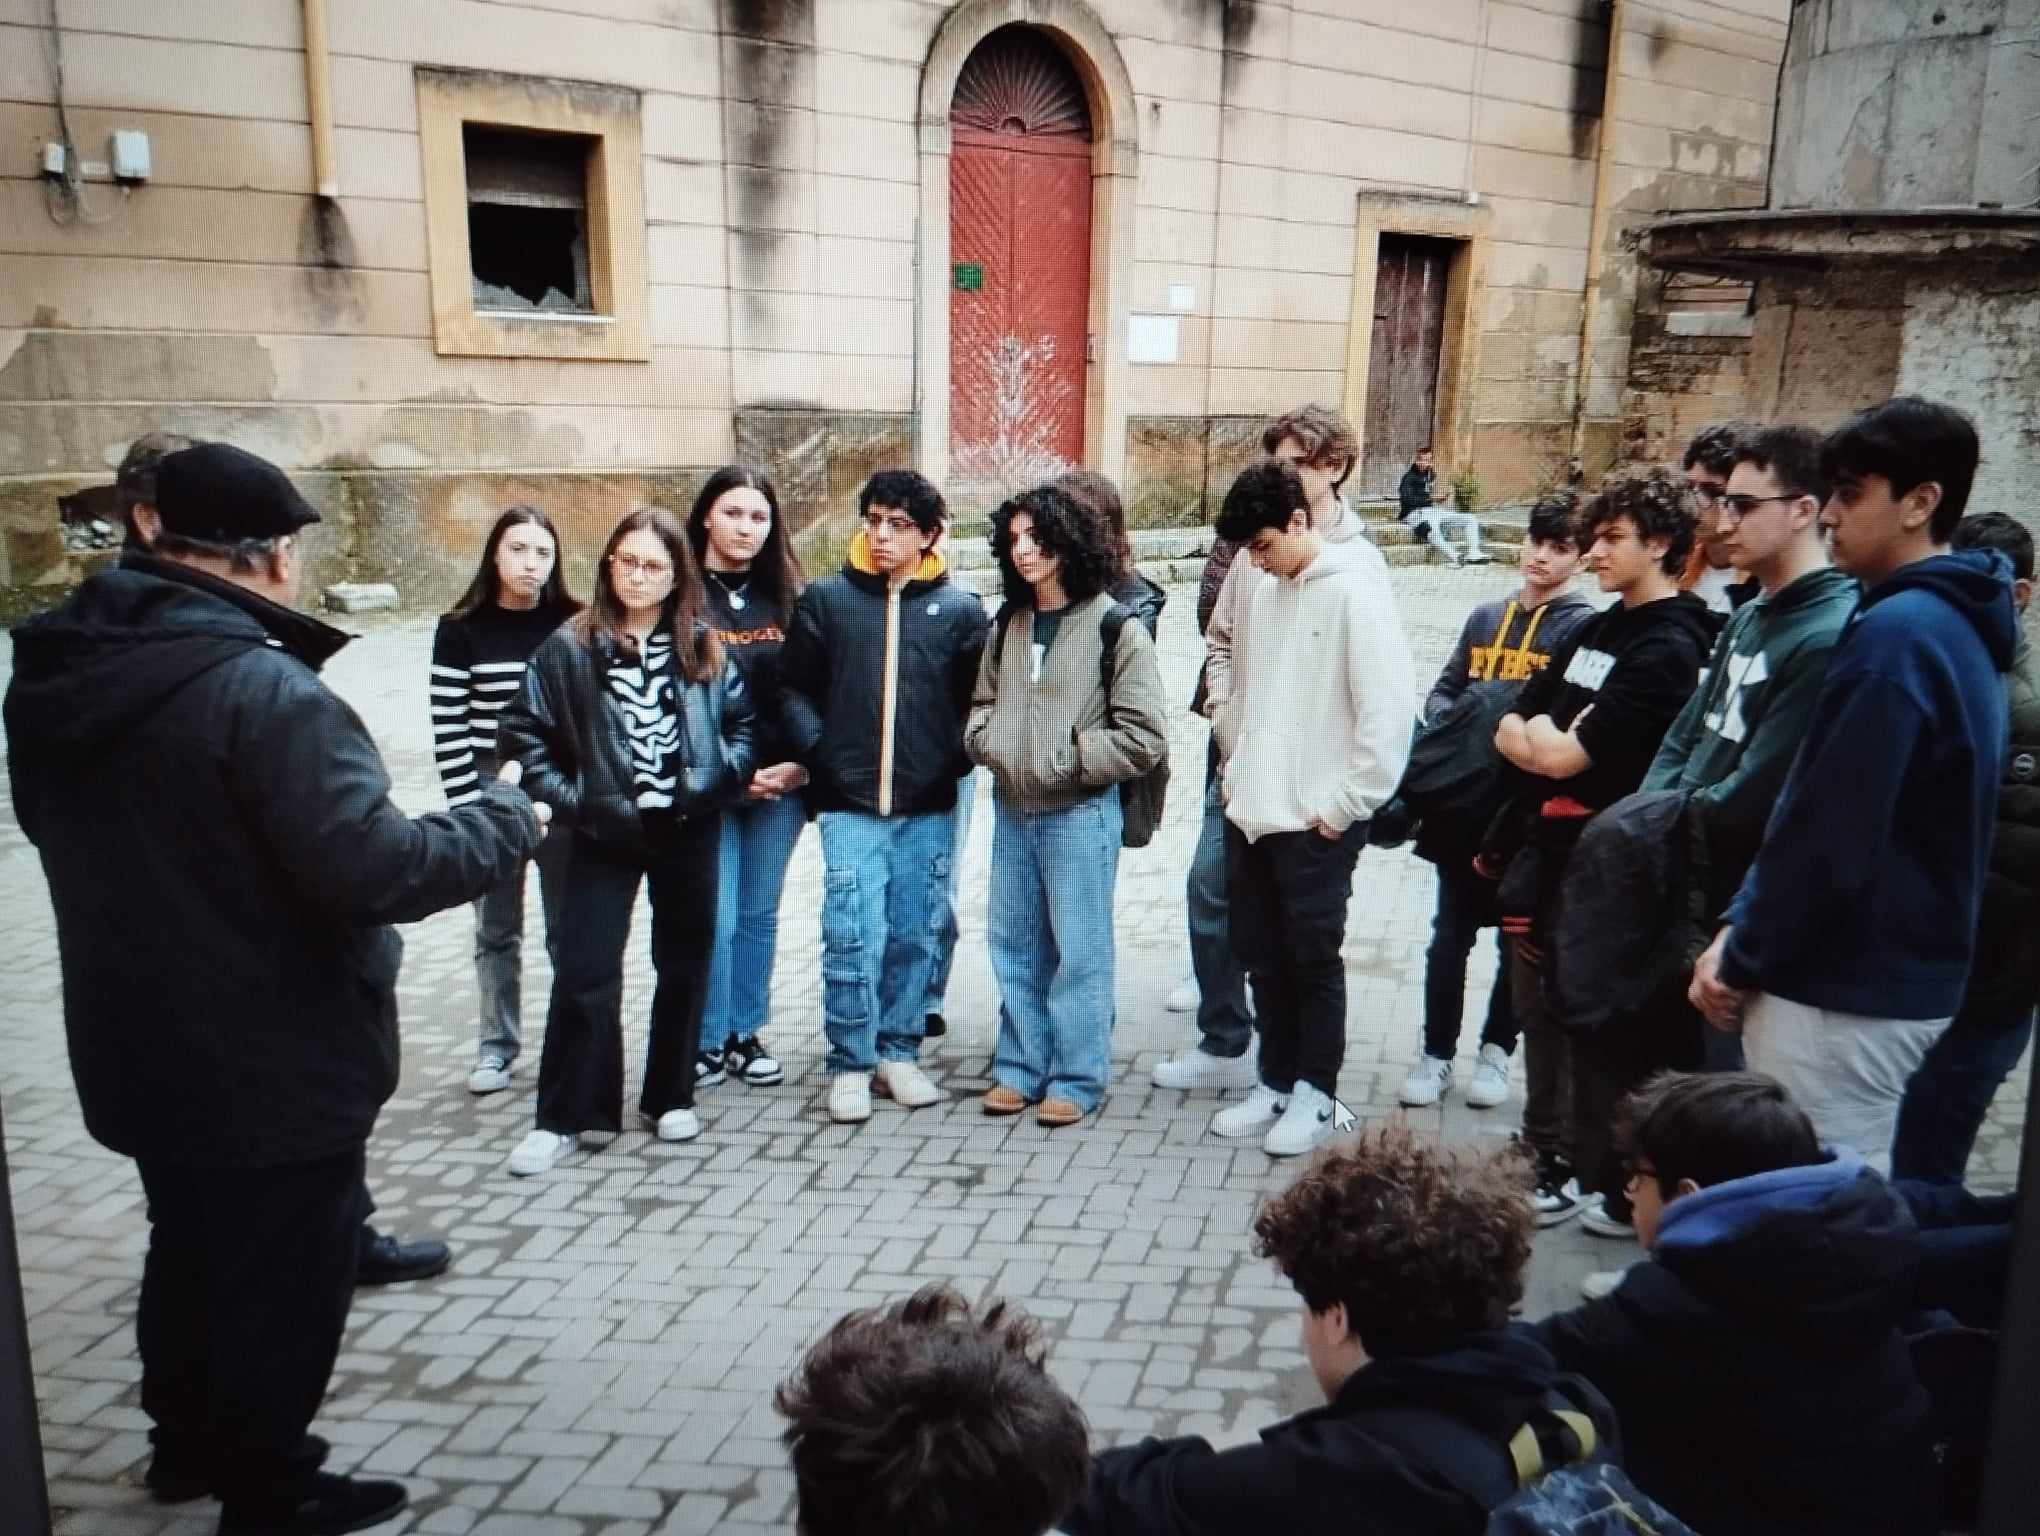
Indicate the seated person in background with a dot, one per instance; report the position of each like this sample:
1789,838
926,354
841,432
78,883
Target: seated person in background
1406,1257
1756,1364
929,1418
1432,519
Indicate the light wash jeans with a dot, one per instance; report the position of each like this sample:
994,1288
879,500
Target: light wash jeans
757,843
1437,522
499,946
882,880
1223,1021
945,919
1048,924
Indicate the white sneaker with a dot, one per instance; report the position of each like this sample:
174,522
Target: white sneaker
1198,1068
1602,1284
850,1097
1252,1116
1490,1085
1595,1218
539,1151
1185,998
679,1125
1306,1121
907,1085
1427,1081
491,1075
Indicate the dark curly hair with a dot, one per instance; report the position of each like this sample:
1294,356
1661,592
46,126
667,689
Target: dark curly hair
1421,1242
1064,527
1266,494
927,1418
1098,493
1555,519
909,491
1657,502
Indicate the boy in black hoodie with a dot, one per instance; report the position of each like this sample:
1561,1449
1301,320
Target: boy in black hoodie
1756,1363
1407,1257
1843,955
1583,733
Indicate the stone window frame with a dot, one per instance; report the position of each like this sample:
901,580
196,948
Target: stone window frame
1467,226
620,328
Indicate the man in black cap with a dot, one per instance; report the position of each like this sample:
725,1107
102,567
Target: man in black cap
224,861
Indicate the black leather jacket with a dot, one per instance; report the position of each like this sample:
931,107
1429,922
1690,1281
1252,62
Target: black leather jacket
568,731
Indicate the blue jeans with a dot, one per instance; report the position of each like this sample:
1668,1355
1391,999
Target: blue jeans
1049,927
1950,1093
1465,902
1222,1017
882,882
757,843
945,919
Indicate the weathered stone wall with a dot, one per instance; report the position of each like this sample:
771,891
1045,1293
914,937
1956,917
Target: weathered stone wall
782,168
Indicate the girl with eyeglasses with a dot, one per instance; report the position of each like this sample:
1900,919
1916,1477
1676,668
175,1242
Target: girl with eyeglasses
479,653
636,727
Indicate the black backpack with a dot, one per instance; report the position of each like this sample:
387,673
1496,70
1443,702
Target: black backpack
1140,799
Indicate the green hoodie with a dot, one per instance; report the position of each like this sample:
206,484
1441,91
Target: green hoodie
1735,740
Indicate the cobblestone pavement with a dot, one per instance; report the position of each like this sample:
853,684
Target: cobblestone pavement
599,1359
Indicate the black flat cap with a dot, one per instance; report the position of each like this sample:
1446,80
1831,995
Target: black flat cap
223,494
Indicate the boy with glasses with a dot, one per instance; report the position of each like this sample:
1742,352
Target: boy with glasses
1710,459
878,669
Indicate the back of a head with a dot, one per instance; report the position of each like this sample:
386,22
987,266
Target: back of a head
1909,441
1263,495
1422,1243
135,481
1999,531
1792,454
1714,1127
929,1417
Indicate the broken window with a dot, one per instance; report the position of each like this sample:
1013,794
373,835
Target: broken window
527,195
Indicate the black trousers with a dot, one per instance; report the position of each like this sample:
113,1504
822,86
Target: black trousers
244,1296
1610,1063
580,1075
1286,898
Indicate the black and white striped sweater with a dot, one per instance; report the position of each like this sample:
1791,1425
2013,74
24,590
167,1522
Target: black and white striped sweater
477,667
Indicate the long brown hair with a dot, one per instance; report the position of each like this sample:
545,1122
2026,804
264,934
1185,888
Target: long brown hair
775,569
1093,490
696,650
487,586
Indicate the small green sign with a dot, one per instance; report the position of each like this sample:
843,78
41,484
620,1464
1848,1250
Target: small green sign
970,276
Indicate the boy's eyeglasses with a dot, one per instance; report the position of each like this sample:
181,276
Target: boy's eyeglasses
881,522
1740,506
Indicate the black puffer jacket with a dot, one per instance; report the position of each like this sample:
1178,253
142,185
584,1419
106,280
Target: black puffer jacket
885,751
2004,979
567,729
216,828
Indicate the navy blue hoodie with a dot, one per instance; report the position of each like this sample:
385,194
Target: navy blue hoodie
1863,898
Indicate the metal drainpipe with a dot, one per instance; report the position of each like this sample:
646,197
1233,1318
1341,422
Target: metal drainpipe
1597,233
319,95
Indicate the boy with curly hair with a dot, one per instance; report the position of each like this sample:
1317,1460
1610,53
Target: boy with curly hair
1406,1257
930,1417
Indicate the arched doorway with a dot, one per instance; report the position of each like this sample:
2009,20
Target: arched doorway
1020,201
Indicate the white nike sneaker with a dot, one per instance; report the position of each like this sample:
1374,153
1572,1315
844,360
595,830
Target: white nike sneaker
906,1085
679,1125
538,1152
850,1097
1490,1085
1305,1122
1261,1108
1427,1082
1185,998
1198,1068
491,1075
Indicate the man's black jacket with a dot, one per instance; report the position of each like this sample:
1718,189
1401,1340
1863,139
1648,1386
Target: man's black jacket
224,860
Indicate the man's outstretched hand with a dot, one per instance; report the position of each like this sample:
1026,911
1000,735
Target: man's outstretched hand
512,773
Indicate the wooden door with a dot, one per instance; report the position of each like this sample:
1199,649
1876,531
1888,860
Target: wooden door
1402,364
1020,254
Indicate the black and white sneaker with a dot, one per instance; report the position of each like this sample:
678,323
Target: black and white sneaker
1557,1198
708,1069
749,1062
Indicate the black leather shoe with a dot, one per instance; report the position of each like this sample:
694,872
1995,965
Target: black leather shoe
934,1027
332,1506
388,1261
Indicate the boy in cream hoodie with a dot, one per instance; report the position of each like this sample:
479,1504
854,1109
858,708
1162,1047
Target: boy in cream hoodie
1314,720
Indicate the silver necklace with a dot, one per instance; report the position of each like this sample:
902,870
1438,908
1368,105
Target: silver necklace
734,594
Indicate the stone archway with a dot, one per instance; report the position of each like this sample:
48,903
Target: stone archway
1075,28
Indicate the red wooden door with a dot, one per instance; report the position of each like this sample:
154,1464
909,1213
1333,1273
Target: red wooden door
1020,253
1402,364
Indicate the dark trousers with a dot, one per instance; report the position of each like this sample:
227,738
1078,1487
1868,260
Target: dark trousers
1609,1064
580,1074
1547,1068
1465,903
1950,1093
1287,894
244,1296
1965,1250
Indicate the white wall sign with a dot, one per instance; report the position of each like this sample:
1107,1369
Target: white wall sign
1153,338
1182,296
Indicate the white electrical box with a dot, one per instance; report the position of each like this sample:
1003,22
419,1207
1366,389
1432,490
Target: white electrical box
53,159
129,151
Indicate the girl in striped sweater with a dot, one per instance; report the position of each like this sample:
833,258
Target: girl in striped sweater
516,599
